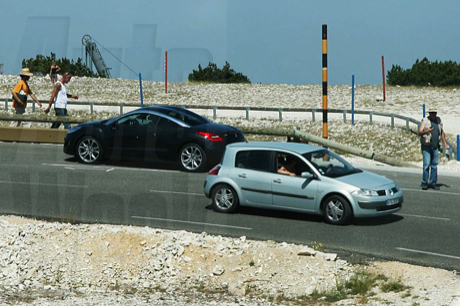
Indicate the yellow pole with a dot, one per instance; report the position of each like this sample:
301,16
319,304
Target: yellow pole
325,81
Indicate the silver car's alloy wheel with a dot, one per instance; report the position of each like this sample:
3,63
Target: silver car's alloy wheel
224,198
334,210
337,210
89,150
191,157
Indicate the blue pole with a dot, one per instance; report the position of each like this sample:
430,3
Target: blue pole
353,99
458,147
140,84
423,110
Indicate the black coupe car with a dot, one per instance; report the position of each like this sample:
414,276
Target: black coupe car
153,133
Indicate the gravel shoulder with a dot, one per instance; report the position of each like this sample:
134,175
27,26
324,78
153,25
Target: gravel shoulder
47,263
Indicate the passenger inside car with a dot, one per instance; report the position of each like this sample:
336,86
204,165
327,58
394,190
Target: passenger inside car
287,165
291,165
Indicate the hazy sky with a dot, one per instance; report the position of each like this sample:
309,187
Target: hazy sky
269,41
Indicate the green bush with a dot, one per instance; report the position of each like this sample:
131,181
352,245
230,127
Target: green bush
213,74
42,64
425,73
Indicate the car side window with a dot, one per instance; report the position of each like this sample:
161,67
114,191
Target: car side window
164,123
253,160
140,119
289,164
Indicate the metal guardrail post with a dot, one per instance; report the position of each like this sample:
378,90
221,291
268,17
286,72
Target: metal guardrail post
33,106
407,124
6,103
121,108
344,116
370,117
280,114
214,111
91,107
313,112
247,113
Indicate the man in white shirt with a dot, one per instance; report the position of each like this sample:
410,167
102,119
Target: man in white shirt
59,97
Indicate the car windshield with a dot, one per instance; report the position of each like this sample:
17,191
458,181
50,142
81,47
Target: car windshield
330,164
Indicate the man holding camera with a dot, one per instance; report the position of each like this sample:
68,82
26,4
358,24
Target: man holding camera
431,132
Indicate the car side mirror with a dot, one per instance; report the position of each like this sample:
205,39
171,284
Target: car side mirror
114,126
307,175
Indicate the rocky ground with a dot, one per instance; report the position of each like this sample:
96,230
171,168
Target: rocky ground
44,263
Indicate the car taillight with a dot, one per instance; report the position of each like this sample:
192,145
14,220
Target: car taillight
214,171
210,136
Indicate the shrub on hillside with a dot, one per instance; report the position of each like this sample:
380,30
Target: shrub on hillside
215,75
41,65
425,73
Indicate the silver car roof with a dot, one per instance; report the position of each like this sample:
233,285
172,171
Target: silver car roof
299,148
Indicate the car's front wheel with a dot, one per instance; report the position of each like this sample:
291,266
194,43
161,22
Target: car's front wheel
89,150
337,210
192,158
224,199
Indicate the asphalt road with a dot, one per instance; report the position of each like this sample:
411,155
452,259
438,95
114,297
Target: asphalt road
41,181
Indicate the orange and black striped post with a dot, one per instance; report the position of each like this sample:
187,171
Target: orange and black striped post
325,81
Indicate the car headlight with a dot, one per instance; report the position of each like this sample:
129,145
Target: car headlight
366,192
74,129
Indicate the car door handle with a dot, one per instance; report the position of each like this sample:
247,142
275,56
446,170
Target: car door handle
242,175
278,181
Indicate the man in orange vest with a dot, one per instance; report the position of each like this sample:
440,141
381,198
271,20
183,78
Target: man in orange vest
20,93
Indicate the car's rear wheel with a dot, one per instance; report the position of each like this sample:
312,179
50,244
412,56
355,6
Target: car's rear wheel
224,199
192,158
337,210
89,150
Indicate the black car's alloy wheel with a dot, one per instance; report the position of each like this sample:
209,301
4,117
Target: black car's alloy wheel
192,158
89,150
337,210
224,199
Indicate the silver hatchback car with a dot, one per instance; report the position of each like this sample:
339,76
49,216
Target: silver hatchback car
298,177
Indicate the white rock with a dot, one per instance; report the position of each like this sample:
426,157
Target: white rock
307,252
330,256
237,289
218,270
